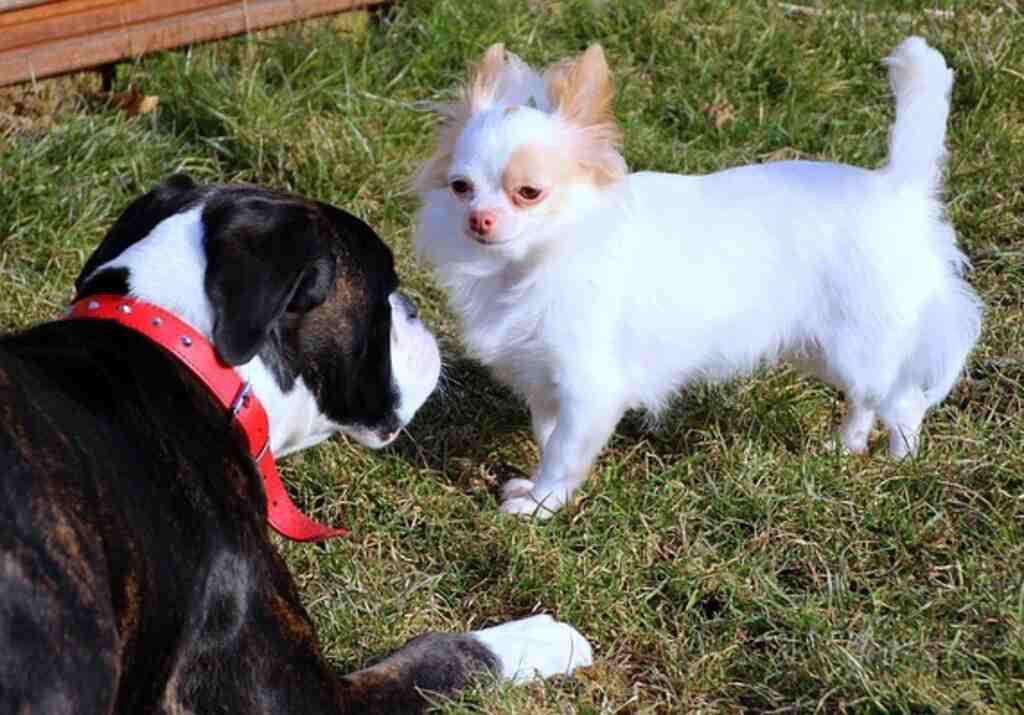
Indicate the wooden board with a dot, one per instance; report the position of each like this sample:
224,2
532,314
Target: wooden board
6,5
61,36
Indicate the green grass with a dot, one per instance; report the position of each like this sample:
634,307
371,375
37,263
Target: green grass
724,561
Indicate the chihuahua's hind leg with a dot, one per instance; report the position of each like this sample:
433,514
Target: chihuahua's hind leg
902,415
856,426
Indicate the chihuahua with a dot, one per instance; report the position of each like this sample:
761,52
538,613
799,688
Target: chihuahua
590,290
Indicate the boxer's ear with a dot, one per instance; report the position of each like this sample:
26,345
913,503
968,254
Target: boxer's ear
265,256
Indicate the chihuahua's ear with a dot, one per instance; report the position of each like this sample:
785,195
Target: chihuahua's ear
486,77
477,95
581,89
581,92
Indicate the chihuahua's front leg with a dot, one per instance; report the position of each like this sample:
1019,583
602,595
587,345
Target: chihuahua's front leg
583,426
543,403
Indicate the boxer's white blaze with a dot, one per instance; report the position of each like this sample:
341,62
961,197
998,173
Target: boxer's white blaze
167,268
415,361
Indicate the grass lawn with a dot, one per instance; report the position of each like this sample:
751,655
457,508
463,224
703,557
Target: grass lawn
723,560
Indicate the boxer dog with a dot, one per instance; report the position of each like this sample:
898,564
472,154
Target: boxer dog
136,570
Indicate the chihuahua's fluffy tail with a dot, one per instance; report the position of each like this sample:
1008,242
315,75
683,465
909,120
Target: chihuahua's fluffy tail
921,82
950,327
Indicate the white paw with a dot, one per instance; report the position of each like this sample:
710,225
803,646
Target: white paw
902,444
516,488
854,443
536,647
528,506
841,446
522,496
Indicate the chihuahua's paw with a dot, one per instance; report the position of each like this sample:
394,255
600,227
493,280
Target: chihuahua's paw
525,497
528,506
516,488
845,447
536,647
837,446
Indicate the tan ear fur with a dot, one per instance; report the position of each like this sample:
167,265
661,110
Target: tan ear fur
476,95
581,90
486,77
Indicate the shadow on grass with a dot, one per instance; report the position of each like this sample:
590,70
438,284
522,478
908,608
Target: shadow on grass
471,428
476,430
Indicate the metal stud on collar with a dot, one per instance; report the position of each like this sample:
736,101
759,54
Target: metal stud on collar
125,308
242,399
252,419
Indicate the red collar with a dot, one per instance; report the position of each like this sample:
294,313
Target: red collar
192,349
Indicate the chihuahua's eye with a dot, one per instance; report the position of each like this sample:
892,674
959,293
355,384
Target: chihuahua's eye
460,187
529,194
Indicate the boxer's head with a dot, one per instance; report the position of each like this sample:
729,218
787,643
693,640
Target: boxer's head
300,296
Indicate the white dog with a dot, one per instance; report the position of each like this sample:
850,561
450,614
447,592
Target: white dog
590,290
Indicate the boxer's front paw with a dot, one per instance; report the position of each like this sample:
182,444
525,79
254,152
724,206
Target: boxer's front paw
536,647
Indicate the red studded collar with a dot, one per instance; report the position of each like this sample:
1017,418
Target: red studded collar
186,344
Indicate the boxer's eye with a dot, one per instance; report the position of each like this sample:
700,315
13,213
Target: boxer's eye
404,303
411,311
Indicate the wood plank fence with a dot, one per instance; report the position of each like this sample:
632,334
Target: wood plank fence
43,38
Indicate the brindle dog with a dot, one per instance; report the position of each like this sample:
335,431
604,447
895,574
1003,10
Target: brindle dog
136,571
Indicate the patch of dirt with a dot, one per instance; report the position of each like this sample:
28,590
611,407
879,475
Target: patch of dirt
31,107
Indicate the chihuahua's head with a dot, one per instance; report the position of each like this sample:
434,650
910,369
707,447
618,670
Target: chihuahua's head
519,149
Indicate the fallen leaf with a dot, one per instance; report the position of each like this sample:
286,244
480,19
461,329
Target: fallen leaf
131,101
720,111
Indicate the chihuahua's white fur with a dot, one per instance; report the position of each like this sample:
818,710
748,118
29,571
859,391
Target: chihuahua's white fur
612,290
